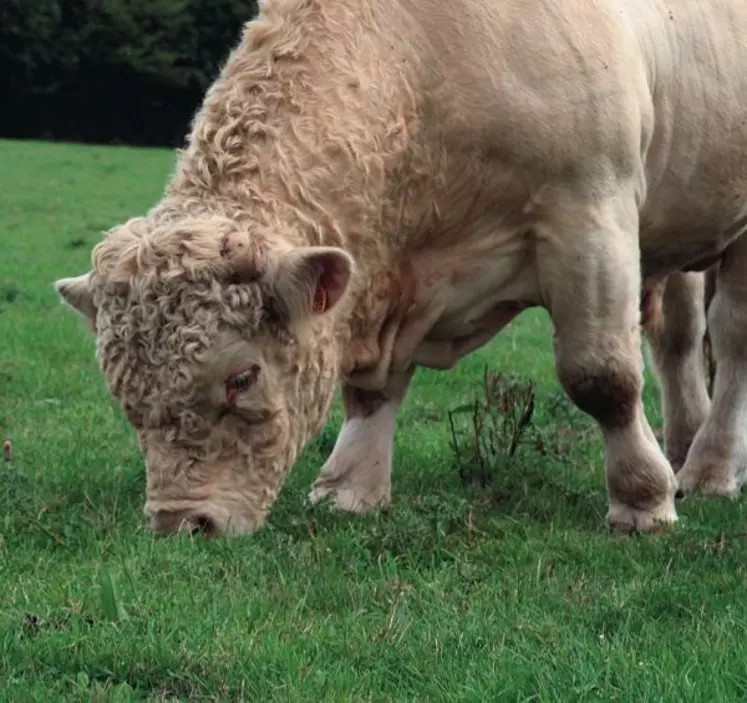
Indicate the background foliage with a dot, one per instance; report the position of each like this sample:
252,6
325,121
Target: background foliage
111,71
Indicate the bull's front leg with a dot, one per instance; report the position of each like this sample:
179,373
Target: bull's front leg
589,273
358,473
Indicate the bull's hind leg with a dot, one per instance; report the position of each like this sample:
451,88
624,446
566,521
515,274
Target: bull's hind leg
717,460
589,274
675,334
358,473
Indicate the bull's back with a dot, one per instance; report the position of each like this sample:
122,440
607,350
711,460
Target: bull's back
532,81
695,164
566,90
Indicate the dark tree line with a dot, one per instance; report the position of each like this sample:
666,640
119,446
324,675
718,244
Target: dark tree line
111,71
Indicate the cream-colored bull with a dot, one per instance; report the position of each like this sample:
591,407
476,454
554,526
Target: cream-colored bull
373,186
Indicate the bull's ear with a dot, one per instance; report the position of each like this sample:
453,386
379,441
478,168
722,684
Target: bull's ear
76,293
312,280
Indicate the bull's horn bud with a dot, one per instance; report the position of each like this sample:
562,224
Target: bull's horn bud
243,256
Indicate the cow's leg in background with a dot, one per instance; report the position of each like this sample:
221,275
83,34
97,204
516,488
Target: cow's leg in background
358,473
675,335
589,275
717,460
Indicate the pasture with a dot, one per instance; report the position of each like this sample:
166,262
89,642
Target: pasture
509,588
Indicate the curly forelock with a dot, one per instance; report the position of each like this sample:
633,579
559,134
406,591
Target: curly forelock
150,340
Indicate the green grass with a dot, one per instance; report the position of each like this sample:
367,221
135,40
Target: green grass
512,592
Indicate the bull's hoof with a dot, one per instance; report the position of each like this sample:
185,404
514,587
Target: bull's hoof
351,499
627,519
710,480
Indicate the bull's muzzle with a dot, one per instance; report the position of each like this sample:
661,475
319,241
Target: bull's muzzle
164,523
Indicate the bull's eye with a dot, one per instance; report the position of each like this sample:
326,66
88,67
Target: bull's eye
240,382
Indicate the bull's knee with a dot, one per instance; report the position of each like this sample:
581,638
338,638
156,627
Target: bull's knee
610,393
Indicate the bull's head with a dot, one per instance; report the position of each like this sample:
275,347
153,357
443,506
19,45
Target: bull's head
222,348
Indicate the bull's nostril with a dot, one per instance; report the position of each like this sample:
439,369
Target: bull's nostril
164,523
205,525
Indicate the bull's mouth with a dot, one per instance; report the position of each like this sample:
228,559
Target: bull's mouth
203,519
164,523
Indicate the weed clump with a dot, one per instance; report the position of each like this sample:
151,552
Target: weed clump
490,432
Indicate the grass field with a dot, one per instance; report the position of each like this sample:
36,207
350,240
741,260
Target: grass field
514,591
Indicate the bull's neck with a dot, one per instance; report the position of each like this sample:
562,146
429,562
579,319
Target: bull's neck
298,137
